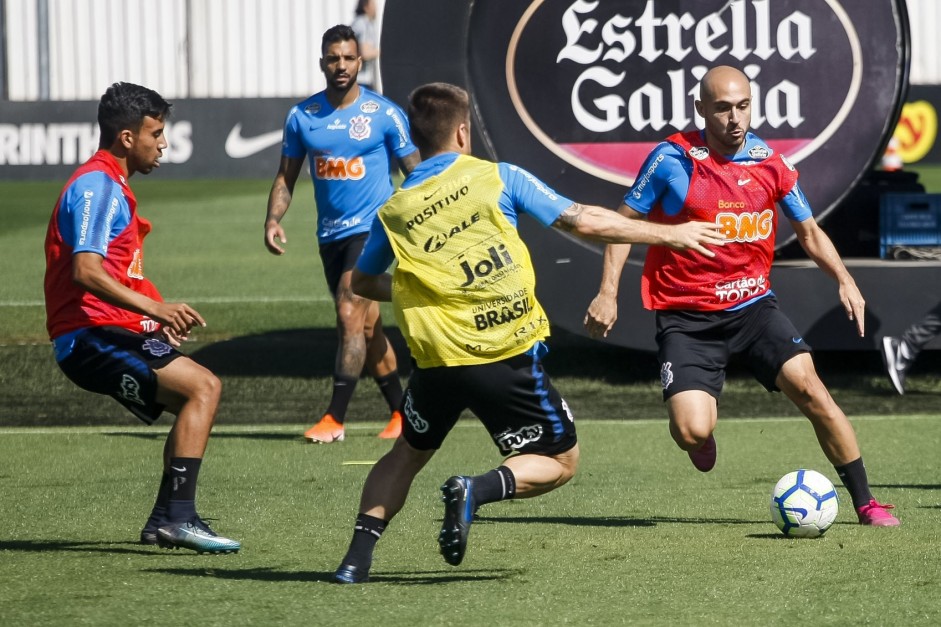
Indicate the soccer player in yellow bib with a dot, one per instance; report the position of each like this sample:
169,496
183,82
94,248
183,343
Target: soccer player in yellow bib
463,292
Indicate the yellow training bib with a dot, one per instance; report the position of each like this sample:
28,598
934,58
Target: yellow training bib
464,287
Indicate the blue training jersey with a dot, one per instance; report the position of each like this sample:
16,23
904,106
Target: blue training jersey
349,152
521,192
665,175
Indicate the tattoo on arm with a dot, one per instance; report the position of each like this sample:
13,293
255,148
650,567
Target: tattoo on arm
569,219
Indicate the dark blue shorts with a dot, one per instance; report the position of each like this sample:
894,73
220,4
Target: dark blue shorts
695,346
120,364
513,398
339,257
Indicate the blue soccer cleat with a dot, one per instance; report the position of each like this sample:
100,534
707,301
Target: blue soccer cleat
195,535
347,573
458,516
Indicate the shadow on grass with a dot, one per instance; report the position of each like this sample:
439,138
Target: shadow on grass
615,521
44,546
908,486
310,353
214,436
405,578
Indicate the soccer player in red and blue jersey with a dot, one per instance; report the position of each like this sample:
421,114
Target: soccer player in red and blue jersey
112,332
709,308
350,135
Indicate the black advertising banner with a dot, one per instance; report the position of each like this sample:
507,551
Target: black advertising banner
208,138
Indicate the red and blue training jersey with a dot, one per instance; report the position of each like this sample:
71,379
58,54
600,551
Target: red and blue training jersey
96,213
684,180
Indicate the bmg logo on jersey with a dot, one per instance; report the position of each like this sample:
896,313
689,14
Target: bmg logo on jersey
339,168
745,227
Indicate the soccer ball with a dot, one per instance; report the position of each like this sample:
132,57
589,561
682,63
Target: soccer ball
804,504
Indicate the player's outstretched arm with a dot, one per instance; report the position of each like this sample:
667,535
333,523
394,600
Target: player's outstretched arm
279,199
89,273
603,225
819,247
372,286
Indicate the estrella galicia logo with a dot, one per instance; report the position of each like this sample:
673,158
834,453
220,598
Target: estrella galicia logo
130,389
699,152
624,73
157,348
759,153
515,440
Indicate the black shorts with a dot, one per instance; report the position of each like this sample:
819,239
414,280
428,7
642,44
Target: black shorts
513,398
695,346
339,257
120,364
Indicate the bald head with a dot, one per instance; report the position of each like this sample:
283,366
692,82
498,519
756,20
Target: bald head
725,105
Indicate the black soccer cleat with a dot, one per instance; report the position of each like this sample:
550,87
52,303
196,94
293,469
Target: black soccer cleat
458,516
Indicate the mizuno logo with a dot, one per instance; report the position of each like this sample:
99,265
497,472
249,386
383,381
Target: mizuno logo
239,147
743,182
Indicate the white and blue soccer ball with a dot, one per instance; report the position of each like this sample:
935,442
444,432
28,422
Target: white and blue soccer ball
804,504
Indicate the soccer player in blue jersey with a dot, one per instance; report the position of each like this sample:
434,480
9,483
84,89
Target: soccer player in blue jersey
350,135
464,296
111,331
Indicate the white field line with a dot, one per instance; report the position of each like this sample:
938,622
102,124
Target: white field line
213,300
370,426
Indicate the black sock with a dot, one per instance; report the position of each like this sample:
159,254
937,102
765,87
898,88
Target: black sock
158,515
343,388
391,388
853,476
366,533
497,485
183,474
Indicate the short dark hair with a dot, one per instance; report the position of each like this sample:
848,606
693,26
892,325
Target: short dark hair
124,106
434,111
336,34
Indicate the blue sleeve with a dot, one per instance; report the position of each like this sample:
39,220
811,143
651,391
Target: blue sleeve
523,191
661,175
92,212
377,253
291,144
398,136
795,205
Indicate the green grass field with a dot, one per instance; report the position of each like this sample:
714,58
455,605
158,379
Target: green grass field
637,537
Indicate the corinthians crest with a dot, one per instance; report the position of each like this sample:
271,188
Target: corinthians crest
359,128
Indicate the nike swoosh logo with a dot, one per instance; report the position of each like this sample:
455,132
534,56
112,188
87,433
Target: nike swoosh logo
183,469
741,182
239,147
797,340
432,193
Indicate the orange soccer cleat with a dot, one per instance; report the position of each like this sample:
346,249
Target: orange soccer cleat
326,431
394,428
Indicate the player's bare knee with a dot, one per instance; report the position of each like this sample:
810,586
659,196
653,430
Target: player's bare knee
207,390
